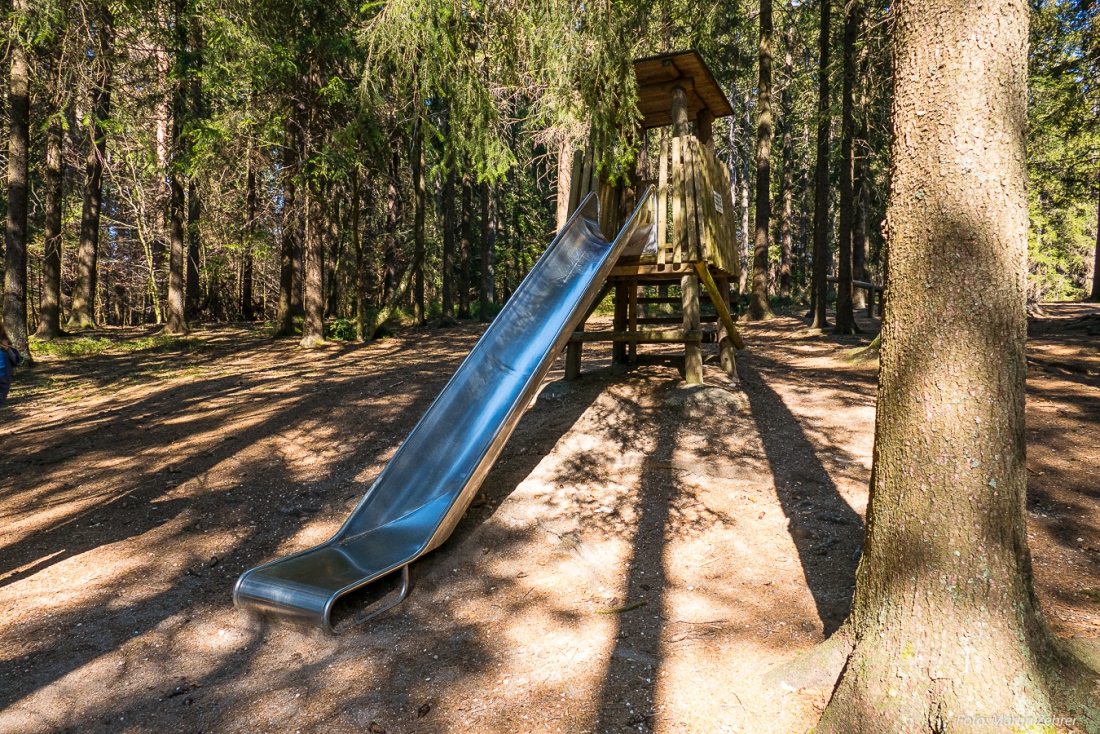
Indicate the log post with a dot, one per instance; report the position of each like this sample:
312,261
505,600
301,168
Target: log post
689,283
573,358
726,351
632,350
618,350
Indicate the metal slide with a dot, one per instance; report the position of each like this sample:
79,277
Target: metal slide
420,496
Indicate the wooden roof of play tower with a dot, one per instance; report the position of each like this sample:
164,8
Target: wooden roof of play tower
657,75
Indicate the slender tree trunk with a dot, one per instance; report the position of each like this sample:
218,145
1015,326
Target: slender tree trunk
859,229
743,281
360,261
82,313
565,180
194,196
389,272
804,209
945,618
313,326
758,299
194,250
177,312
466,236
421,194
821,180
49,324
177,319
247,312
488,246
284,315
1096,263
845,315
785,193
449,185
15,254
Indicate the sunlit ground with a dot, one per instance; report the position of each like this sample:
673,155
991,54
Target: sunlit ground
638,559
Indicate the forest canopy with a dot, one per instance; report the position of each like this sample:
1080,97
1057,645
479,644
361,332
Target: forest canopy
325,165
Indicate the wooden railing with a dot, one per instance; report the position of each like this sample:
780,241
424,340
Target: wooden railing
693,195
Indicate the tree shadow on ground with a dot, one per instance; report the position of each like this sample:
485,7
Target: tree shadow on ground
827,532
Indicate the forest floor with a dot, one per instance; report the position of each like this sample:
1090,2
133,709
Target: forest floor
137,481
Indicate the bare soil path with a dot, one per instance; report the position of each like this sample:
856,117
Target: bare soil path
136,484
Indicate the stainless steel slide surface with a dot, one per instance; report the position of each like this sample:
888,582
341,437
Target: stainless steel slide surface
424,490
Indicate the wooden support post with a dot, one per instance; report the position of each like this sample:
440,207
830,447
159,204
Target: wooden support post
618,351
693,353
662,198
703,129
633,323
573,357
575,181
720,304
726,355
870,303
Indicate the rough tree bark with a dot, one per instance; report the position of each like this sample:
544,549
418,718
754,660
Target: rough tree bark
247,312
15,254
845,315
743,279
758,299
565,180
1096,263
421,194
488,249
313,298
284,315
177,310
49,323
389,253
819,289
785,193
449,185
194,195
82,313
945,620
465,244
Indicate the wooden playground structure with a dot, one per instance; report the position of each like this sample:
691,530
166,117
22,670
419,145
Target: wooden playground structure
692,237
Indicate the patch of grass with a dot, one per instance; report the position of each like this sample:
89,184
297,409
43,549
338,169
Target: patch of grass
86,346
70,348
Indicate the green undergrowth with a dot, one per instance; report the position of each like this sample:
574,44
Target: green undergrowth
90,345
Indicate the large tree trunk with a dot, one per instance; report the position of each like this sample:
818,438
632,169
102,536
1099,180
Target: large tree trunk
819,291
488,247
945,621
449,185
465,246
758,299
845,316
421,203
15,254
82,313
284,315
49,323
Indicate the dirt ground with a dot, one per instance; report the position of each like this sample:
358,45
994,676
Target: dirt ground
137,484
